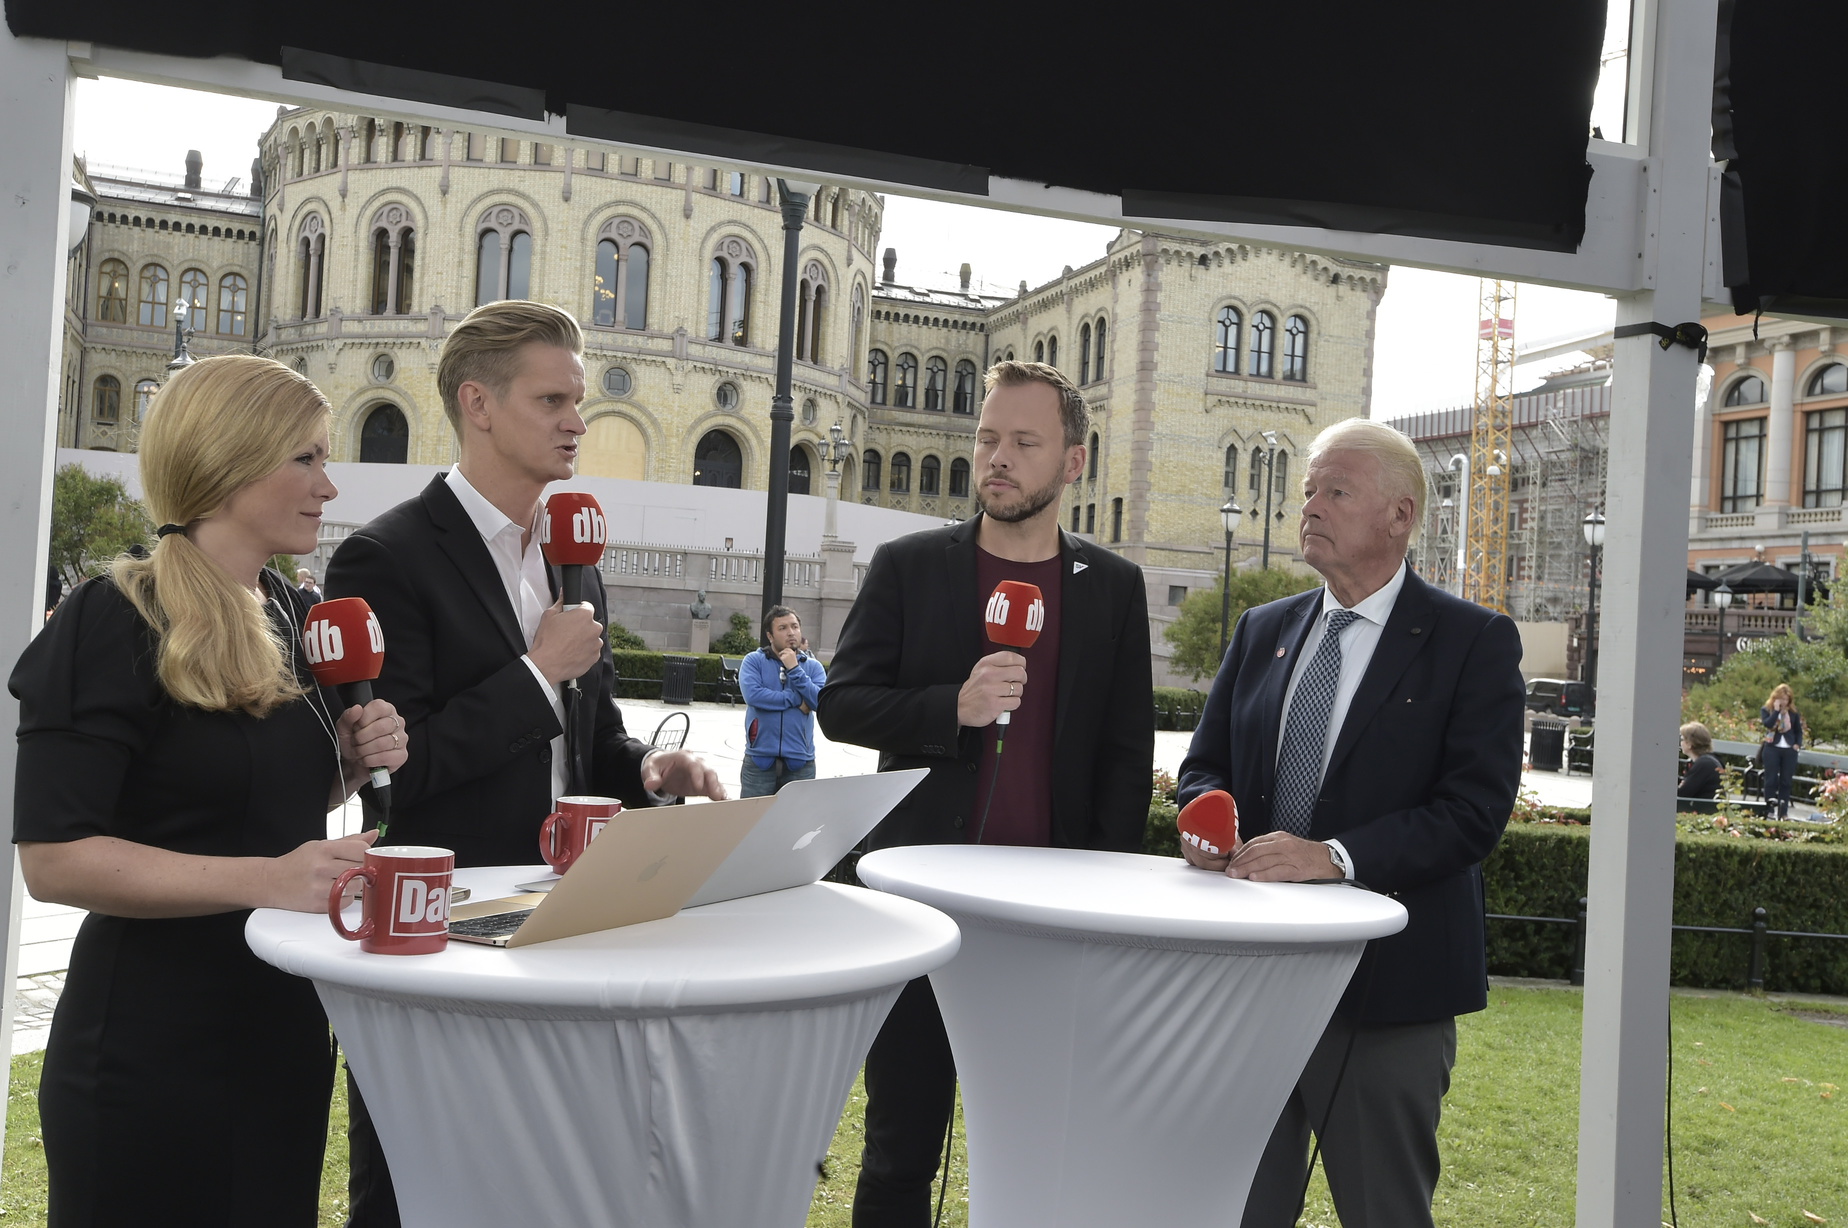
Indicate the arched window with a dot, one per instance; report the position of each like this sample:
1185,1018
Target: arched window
1231,482
503,255
936,376
856,316
901,473
1263,344
869,470
1832,380
194,286
1748,391
930,470
233,304
385,437
112,292
154,296
1116,520
1255,483
876,376
368,139
1225,340
1280,474
1101,328
905,391
106,400
1091,461
718,461
834,211
728,293
1052,351
311,256
1039,351
964,400
959,478
144,398
1010,354
1296,348
394,257
619,294
811,310
800,468
1084,353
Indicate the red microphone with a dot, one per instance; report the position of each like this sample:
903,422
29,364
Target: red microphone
1014,617
346,650
572,535
1210,823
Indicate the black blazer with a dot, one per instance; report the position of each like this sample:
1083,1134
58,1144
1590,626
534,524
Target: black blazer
912,637
1768,719
479,777
1420,785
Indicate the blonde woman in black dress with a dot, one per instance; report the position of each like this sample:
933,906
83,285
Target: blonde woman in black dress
176,768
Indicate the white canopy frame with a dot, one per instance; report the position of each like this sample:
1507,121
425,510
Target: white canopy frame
1651,241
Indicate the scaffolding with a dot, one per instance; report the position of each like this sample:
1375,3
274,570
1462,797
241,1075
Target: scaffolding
1486,526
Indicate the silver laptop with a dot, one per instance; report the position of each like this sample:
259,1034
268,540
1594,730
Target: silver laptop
811,827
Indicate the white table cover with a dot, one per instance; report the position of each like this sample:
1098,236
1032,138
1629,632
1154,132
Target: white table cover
1126,1028
683,1072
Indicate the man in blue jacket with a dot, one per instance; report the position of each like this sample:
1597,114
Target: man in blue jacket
780,684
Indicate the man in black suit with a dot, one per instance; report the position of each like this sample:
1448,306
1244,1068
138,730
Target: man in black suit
914,679
479,646
1369,730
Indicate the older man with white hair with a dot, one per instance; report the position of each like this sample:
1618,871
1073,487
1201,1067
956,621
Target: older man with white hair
1369,730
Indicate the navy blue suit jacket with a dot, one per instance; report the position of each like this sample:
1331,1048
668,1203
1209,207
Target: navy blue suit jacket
1419,787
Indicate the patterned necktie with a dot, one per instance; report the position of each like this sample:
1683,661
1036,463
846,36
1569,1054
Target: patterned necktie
1305,733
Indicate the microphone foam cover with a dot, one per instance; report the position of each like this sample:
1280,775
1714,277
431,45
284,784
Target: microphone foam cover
1210,823
573,532
1015,614
343,642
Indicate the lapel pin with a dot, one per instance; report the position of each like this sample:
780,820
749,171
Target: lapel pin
1280,652
1416,630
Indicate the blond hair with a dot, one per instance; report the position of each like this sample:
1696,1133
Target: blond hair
1402,472
1781,690
1699,741
1072,415
216,427
485,347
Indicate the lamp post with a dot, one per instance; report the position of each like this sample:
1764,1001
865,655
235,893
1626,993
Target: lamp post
1270,486
795,195
1228,516
1459,464
834,452
1722,597
1594,538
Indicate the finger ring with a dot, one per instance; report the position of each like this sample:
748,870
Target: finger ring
394,739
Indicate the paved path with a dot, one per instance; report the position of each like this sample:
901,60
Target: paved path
716,732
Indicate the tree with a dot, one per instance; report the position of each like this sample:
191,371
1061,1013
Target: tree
1195,634
740,640
624,640
93,519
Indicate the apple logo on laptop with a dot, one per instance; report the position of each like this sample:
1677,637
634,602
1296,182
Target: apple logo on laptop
806,839
652,869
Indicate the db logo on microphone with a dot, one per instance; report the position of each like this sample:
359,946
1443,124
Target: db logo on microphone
1036,615
998,606
422,906
324,641
588,525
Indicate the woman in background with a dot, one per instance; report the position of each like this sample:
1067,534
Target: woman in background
1700,784
176,768
1783,738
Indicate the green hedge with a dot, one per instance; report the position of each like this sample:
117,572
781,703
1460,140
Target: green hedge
639,674
1178,707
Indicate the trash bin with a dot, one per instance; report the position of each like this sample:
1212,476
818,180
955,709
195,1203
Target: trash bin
1546,744
677,679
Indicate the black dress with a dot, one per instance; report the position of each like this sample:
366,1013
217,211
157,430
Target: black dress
186,1081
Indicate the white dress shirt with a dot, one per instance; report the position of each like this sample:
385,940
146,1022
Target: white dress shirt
528,586
1358,640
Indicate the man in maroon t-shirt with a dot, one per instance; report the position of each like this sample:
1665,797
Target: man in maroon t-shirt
916,678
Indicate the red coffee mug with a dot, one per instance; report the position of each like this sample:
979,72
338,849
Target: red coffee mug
405,903
568,830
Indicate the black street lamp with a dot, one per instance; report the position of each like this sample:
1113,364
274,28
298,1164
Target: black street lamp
1228,516
795,196
1594,538
1722,597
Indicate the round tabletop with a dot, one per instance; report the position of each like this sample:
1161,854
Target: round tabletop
804,944
1162,898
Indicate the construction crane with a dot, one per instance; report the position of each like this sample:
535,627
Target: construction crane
1485,545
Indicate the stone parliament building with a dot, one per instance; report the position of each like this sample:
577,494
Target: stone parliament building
358,242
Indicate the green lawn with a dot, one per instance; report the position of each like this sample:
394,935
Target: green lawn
1760,1094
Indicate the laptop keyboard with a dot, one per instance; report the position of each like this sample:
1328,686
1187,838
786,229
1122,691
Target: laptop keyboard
495,925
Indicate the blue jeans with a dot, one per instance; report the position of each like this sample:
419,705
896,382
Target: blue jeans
762,782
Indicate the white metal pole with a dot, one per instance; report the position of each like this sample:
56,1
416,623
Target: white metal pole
1651,451
35,183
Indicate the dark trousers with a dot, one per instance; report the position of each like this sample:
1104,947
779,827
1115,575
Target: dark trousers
371,1201
1780,768
1379,1149
910,1094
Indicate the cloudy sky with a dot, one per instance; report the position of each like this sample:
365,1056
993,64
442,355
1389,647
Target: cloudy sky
1425,342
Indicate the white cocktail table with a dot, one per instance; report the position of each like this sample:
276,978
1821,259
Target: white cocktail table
1126,1028
682,1073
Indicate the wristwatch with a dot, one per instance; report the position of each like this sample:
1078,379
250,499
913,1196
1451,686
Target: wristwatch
1340,859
